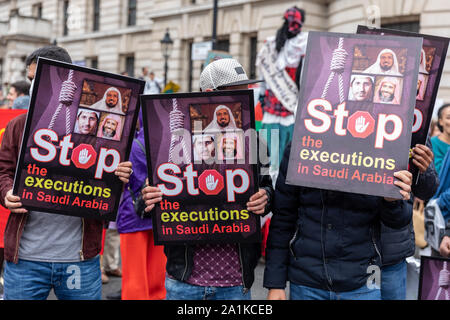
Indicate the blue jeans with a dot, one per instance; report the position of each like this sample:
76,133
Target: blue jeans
178,290
33,280
299,292
393,281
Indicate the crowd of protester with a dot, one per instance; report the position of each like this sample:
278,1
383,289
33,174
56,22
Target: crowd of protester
372,231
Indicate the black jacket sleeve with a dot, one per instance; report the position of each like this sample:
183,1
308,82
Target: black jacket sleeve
265,181
282,228
396,214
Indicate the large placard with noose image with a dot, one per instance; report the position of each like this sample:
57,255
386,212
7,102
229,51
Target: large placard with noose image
200,155
355,111
432,59
79,127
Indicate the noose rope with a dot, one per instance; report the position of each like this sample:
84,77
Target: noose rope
66,96
176,124
337,68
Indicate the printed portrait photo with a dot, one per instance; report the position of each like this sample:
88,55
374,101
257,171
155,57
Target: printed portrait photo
382,61
87,121
230,145
422,81
388,90
110,126
204,148
361,87
104,97
213,118
426,59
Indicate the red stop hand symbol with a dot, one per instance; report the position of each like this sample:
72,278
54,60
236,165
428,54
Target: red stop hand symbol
211,182
361,124
84,156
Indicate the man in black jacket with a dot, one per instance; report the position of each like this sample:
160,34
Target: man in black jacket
398,244
326,243
193,270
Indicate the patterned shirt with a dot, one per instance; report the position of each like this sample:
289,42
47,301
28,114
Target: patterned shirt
216,265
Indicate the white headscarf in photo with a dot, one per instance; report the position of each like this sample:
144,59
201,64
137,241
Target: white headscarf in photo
113,117
423,62
101,105
397,90
214,126
376,69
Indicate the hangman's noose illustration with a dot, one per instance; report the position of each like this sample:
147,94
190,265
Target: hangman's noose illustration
176,125
66,95
444,282
337,67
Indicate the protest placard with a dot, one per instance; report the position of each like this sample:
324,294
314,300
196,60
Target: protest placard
432,59
434,278
199,155
5,116
79,127
355,111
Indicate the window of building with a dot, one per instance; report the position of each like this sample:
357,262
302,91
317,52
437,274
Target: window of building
24,69
96,16
65,17
37,10
223,45
129,65
253,53
190,67
93,63
131,21
402,23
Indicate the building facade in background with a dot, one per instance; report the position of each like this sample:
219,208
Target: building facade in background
124,35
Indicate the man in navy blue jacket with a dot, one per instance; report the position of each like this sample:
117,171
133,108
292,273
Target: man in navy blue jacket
398,244
327,243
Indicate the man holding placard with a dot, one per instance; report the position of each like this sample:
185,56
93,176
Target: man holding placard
194,271
40,246
341,176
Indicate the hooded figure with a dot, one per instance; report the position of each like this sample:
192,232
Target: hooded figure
388,91
223,120
422,81
110,127
386,63
423,63
230,146
111,101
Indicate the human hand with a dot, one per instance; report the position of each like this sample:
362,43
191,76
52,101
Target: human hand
444,248
276,294
422,157
84,156
257,202
151,196
404,183
211,183
13,203
361,125
124,171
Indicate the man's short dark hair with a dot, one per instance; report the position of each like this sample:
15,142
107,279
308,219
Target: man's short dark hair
49,52
21,87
